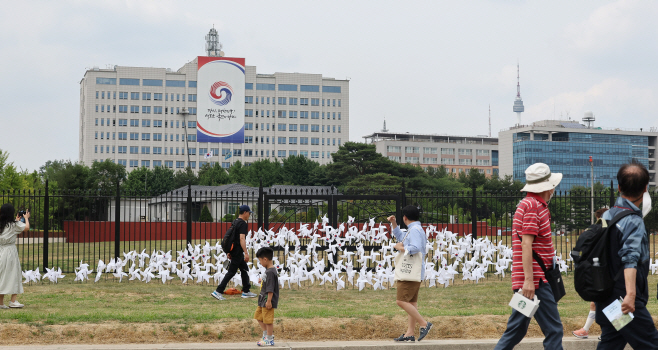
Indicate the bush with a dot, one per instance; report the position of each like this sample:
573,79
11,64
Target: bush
205,215
228,218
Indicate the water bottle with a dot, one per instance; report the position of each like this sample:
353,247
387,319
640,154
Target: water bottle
595,262
597,283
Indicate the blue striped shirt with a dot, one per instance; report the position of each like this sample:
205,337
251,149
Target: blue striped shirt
415,242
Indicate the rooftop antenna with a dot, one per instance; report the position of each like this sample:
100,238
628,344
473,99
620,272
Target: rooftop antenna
213,46
589,119
518,102
489,120
384,128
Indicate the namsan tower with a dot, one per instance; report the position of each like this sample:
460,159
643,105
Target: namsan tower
518,102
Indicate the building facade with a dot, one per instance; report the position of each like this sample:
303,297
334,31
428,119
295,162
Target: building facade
140,116
566,147
456,153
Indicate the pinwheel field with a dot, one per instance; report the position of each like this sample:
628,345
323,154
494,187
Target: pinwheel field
325,294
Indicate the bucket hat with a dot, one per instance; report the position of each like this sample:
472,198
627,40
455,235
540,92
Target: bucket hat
538,178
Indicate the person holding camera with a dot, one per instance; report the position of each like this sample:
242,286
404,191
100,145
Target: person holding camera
10,264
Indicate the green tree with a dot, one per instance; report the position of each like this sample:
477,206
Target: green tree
213,175
379,180
161,180
103,176
205,215
184,177
237,173
474,178
296,170
10,177
269,171
356,159
137,181
437,173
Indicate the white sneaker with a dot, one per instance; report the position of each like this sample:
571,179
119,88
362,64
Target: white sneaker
16,304
217,296
249,295
3,306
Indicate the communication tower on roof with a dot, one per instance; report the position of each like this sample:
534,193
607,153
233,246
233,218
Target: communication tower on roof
518,102
589,119
213,46
384,128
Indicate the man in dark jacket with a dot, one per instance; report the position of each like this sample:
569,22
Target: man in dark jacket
629,252
239,257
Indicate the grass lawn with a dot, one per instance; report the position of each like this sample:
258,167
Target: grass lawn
55,312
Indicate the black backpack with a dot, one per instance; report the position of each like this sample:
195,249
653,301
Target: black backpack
595,283
229,237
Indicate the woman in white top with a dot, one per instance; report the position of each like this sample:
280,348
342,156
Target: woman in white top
10,264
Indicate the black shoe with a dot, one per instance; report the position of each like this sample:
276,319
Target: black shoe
410,338
424,331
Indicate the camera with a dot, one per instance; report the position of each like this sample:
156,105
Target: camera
21,213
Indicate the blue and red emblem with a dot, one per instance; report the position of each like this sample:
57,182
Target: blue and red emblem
225,93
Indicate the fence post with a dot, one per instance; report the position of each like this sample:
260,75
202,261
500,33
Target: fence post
612,194
403,203
189,212
333,209
474,214
46,222
260,204
117,221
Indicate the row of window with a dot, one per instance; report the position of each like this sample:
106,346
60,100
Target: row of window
135,136
444,161
204,151
157,123
290,101
146,96
293,87
293,127
145,109
145,82
293,114
434,150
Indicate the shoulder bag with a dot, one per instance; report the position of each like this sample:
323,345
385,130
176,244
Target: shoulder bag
408,266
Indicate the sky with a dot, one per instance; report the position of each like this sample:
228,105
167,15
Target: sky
425,66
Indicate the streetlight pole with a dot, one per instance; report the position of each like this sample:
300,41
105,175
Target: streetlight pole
184,113
591,163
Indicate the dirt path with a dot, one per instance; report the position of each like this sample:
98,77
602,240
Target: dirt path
376,328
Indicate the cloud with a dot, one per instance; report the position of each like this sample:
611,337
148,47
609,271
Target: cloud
613,25
615,103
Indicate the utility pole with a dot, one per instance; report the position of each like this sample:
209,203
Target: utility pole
591,163
184,113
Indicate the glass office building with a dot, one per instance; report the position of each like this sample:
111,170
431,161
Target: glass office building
566,148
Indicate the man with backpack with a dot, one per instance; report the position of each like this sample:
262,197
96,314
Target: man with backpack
238,255
629,260
531,232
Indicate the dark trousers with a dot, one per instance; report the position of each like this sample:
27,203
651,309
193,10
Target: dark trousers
641,333
546,316
236,264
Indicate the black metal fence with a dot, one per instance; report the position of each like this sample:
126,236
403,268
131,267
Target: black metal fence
67,227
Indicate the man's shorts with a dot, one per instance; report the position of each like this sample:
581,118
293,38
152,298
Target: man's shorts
264,315
408,291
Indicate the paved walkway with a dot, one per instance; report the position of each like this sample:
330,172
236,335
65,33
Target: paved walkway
569,343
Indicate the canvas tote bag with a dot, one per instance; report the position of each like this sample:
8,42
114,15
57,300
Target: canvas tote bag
408,266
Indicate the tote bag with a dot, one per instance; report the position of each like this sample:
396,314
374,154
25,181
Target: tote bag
408,266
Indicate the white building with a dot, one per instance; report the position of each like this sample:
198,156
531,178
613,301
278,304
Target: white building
456,153
132,115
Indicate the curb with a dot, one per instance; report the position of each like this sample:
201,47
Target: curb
569,343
